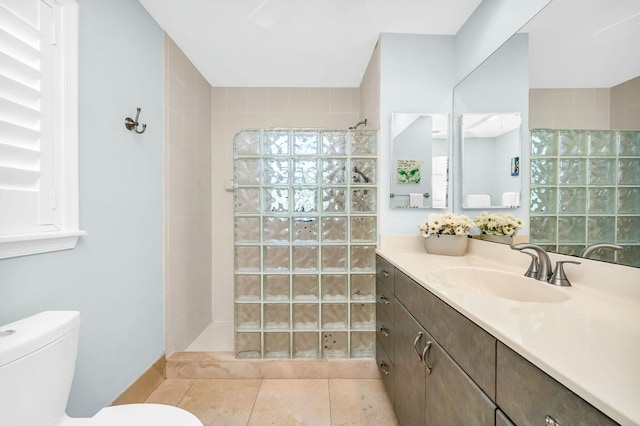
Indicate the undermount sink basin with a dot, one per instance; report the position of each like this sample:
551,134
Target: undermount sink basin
506,285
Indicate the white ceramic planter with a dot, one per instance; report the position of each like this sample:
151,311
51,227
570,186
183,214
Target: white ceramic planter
447,245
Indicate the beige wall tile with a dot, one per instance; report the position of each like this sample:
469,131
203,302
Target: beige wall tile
340,100
278,100
238,99
187,139
219,97
320,100
258,99
601,101
299,99
583,101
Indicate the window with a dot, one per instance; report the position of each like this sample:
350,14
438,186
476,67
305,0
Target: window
38,126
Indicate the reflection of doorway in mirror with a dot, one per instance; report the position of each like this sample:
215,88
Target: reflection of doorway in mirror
439,181
515,166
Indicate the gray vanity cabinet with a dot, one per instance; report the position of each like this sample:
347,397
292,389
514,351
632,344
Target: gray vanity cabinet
502,419
410,372
466,376
529,396
469,345
385,324
433,390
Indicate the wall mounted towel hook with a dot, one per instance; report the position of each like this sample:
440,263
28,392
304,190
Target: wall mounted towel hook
131,124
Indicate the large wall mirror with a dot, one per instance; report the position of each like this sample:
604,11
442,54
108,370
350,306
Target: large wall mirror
491,160
583,78
420,160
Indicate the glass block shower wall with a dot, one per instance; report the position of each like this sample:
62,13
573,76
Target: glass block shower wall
305,234
585,188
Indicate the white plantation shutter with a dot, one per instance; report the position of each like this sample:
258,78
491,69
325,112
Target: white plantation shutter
38,126
26,132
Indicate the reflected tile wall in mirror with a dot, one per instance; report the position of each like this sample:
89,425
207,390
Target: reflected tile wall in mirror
305,206
585,189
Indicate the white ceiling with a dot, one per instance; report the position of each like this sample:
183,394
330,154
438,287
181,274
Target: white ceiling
584,43
328,43
296,43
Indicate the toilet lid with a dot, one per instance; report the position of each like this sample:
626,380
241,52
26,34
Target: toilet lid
144,415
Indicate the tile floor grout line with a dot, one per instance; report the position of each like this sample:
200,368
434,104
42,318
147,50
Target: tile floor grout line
255,399
330,411
185,394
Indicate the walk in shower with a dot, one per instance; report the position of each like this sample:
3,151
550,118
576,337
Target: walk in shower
305,218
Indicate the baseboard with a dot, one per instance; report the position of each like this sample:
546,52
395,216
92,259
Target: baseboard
144,385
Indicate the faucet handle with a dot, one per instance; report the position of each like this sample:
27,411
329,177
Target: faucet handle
532,272
558,277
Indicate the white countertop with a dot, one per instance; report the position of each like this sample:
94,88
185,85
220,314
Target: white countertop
589,342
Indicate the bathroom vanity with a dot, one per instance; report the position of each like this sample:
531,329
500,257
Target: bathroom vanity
457,346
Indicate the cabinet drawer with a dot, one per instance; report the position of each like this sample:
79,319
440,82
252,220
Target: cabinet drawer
528,395
386,369
469,345
386,300
385,331
385,272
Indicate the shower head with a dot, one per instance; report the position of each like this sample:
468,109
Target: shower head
358,124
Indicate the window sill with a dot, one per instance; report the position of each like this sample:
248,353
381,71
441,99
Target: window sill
26,244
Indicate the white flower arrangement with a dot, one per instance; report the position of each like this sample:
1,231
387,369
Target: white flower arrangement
445,224
498,224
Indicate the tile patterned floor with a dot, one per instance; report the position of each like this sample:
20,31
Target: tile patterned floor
282,402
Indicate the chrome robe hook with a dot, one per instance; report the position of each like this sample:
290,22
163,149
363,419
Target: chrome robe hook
131,124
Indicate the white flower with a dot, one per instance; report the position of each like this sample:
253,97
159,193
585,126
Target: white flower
498,224
445,224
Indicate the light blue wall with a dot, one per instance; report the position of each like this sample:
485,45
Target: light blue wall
114,275
417,74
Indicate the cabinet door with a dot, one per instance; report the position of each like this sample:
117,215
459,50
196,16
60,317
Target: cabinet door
452,398
502,419
409,370
469,345
529,396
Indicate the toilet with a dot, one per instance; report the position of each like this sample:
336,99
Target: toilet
37,362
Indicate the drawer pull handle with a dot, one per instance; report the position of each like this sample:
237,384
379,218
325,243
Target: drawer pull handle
384,299
384,273
424,357
550,421
384,368
384,331
415,345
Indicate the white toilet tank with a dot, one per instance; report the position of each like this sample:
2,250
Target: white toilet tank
37,363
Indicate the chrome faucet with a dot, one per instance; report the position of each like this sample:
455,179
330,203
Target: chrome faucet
544,263
588,250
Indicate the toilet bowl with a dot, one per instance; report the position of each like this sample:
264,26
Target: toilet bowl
37,362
